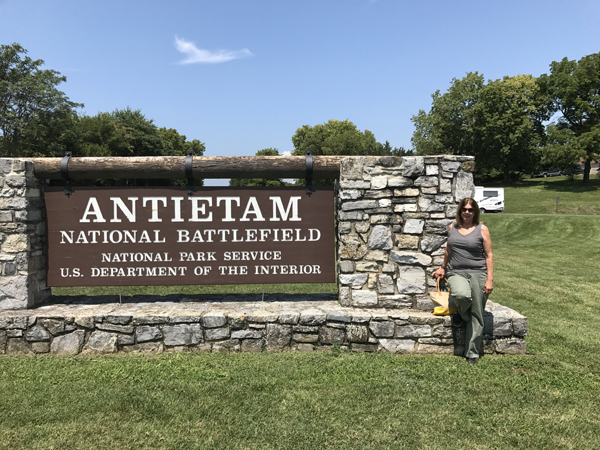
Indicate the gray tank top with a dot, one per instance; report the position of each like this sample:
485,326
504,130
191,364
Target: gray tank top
466,251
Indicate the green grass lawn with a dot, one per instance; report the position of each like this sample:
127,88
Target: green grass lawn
538,196
546,268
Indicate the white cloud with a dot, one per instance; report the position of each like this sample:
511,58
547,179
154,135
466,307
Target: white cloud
287,153
198,55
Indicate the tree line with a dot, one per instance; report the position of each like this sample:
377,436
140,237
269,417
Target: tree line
517,124
511,125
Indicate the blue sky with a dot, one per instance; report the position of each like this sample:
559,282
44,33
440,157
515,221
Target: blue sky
242,75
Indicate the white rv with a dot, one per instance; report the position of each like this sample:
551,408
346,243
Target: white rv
489,199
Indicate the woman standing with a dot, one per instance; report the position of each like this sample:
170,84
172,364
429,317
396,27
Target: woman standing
469,266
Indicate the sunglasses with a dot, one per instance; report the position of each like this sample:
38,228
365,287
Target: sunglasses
469,210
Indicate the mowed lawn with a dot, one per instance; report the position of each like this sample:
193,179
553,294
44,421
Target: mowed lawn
547,267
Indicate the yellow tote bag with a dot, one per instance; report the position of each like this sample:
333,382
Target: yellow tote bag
443,306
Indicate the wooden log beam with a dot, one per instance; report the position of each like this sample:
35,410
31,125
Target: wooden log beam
168,167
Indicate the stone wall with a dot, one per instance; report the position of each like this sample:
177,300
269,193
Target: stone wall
187,325
393,217
22,237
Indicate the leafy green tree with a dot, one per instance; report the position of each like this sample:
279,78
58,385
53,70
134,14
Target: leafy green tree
509,121
99,135
33,112
259,181
145,137
573,93
178,145
557,152
334,137
451,124
499,123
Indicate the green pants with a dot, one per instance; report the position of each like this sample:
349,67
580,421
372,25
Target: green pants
466,289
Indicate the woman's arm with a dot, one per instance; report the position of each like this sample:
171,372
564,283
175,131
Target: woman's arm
489,259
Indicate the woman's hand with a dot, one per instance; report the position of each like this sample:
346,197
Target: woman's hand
440,273
488,287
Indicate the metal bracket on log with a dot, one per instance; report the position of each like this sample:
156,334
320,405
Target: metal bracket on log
189,174
309,172
64,171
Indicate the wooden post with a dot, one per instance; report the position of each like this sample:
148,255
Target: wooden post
168,167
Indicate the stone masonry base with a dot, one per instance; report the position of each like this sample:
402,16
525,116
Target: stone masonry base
82,325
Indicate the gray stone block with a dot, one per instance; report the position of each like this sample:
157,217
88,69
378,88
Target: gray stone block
216,334
346,266
332,336
352,215
126,329
182,334
357,333
305,338
352,168
411,280
247,334
463,186
355,184
288,318
380,238
427,182
450,166
54,326
252,345
385,284
431,243
382,329
359,205
101,342
278,337
413,166
355,280
364,298
414,226
118,320
37,333
312,317
395,182
398,345
413,331
410,258
438,226
145,333
68,344
214,320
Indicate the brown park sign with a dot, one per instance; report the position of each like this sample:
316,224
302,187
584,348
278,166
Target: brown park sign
161,236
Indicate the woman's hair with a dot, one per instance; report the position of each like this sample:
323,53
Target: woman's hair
461,205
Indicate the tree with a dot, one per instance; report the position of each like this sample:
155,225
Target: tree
33,112
557,152
573,92
334,137
99,135
259,181
450,126
499,123
145,137
509,120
